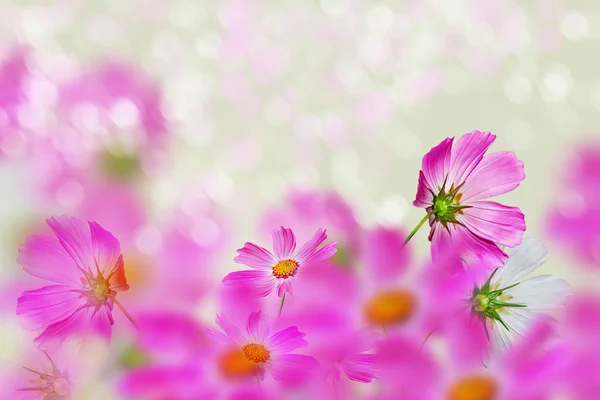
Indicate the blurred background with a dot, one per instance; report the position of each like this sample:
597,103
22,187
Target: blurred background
180,120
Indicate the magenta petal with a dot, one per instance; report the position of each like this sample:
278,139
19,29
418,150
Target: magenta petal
102,322
436,164
495,222
424,197
105,248
255,257
157,381
77,322
360,367
292,368
309,247
74,236
476,247
48,305
258,327
467,154
385,255
258,283
498,173
287,340
45,258
230,330
169,333
284,243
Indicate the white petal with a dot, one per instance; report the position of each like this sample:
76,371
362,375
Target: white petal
522,260
543,292
501,340
517,319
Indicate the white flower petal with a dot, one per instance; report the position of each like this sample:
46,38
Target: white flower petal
543,292
501,340
517,319
522,260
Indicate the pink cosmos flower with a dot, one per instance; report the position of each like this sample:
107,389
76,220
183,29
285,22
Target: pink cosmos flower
264,352
455,182
283,267
85,267
45,381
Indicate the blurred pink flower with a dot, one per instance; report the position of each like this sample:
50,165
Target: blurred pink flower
85,266
574,221
48,382
13,71
282,268
453,185
264,353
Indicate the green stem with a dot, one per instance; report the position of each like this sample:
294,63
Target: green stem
281,306
418,227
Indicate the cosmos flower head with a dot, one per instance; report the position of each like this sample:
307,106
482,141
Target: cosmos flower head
84,266
281,268
260,353
454,183
507,303
48,383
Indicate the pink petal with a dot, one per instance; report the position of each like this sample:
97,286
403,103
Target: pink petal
172,334
292,368
385,255
259,283
255,257
360,367
48,305
76,323
102,322
424,197
284,243
495,222
321,255
309,247
287,340
258,327
105,248
230,330
436,164
45,258
467,154
74,236
285,286
498,173
156,381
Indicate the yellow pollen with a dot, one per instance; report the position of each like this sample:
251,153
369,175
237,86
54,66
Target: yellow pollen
101,291
390,307
285,268
476,387
256,352
234,363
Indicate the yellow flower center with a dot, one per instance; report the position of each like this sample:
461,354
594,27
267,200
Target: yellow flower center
476,387
285,268
256,353
235,364
101,290
390,307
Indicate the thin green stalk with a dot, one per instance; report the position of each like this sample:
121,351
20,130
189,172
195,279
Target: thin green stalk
281,306
418,227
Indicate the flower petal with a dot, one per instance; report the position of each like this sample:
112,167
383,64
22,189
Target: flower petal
259,283
309,247
360,367
284,243
258,327
496,174
522,261
230,330
117,280
494,222
385,255
320,255
467,154
105,248
47,305
255,257
74,236
45,258
292,368
287,340
102,322
436,164
424,198
542,292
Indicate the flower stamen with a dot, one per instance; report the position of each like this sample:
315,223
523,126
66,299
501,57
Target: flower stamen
256,353
285,269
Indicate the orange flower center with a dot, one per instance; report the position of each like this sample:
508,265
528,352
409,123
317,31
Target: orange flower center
390,307
235,364
285,268
137,272
476,387
256,353
101,290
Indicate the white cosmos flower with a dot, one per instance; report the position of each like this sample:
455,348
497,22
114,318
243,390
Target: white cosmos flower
508,303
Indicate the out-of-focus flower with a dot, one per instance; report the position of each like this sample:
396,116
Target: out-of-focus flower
305,209
258,353
85,265
283,267
574,223
453,184
49,383
508,303
13,71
